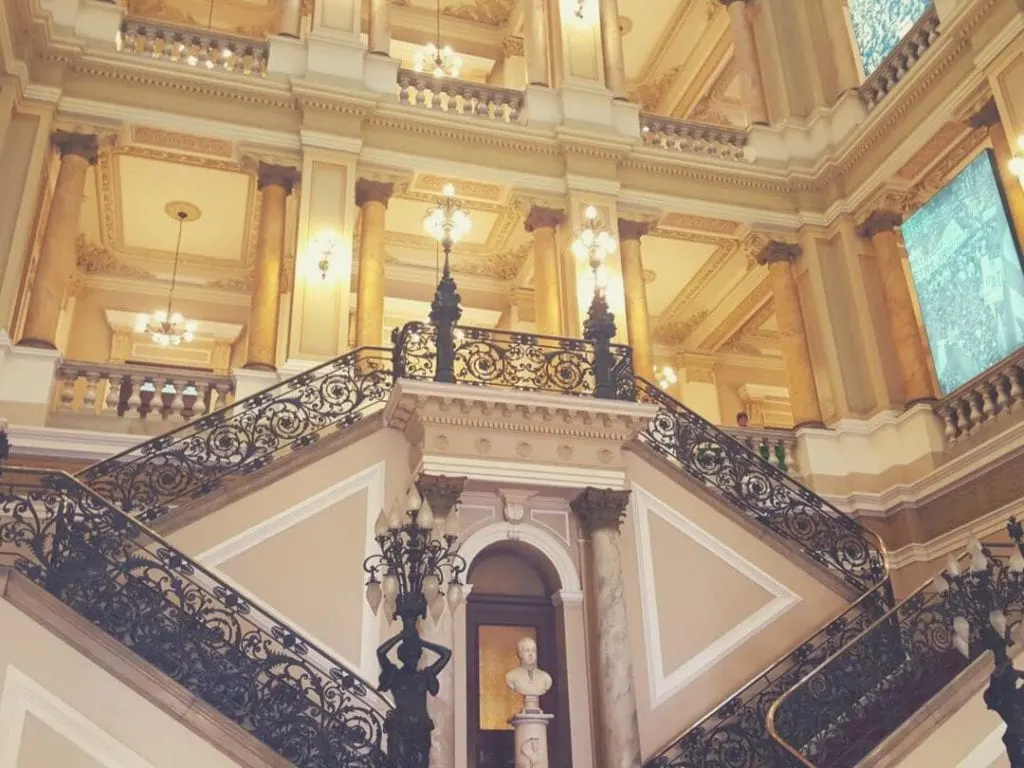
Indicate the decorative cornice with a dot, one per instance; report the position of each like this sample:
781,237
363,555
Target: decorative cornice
880,221
600,509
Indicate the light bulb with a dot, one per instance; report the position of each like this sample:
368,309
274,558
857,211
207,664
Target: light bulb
395,521
390,586
961,628
437,607
952,566
961,644
1017,166
590,213
381,526
374,595
448,190
390,608
979,562
998,621
431,587
940,583
973,545
454,596
413,499
451,524
425,516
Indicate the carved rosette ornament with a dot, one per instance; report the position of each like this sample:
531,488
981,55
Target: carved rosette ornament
441,492
600,509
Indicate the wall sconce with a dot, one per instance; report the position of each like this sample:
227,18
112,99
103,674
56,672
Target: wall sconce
324,246
1017,161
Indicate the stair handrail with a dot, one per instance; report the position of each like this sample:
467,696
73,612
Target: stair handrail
243,436
914,605
77,538
859,563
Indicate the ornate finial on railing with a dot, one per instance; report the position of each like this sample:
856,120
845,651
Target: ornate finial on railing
447,221
599,328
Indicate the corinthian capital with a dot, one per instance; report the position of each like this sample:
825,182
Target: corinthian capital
600,508
370,191
277,176
777,251
543,217
84,145
879,221
441,492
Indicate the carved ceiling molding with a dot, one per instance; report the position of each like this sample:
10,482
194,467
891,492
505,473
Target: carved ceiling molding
682,302
724,80
93,259
182,142
650,93
931,151
699,223
464,188
493,13
751,331
665,41
162,10
750,303
676,332
108,190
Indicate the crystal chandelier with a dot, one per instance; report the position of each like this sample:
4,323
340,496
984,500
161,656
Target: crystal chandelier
447,221
167,327
666,376
437,60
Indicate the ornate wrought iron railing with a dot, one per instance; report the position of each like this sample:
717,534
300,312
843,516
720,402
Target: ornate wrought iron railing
193,627
511,360
733,735
850,703
226,446
763,492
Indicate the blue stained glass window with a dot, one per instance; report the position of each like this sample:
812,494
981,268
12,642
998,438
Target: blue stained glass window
879,25
966,267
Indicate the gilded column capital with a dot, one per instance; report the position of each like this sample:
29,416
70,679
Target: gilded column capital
543,217
879,221
442,492
776,251
84,145
600,508
277,176
633,230
370,191
513,45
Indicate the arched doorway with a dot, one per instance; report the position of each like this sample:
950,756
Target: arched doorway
511,598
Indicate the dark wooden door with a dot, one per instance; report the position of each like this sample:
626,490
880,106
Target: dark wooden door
493,625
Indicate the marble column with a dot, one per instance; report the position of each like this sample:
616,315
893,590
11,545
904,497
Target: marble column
747,65
803,393
372,198
536,43
600,512
988,117
443,494
882,229
274,183
543,223
289,18
635,288
379,36
57,254
611,48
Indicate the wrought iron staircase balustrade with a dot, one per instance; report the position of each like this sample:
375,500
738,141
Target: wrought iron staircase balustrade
180,618
854,700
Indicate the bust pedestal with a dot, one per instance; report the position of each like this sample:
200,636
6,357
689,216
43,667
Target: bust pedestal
531,739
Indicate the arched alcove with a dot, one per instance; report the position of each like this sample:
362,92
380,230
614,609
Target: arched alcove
513,585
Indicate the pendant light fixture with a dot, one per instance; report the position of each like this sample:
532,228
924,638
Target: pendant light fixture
438,61
167,327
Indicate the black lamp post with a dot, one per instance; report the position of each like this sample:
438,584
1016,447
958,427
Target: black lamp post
448,222
417,570
979,599
594,244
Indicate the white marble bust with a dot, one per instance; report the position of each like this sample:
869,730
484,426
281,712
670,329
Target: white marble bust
528,681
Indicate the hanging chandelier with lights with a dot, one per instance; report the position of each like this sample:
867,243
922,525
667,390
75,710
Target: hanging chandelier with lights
167,327
438,60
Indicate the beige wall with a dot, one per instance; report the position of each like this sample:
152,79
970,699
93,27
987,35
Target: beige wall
710,605
972,737
298,545
58,709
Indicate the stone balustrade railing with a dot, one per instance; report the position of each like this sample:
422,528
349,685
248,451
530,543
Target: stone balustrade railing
984,399
133,392
693,138
417,89
776,446
903,57
195,48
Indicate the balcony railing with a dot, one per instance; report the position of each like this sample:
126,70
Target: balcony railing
119,394
510,360
987,398
459,97
776,446
203,49
145,594
902,58
694,138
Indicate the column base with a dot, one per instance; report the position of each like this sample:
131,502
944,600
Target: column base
531,738
27,379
